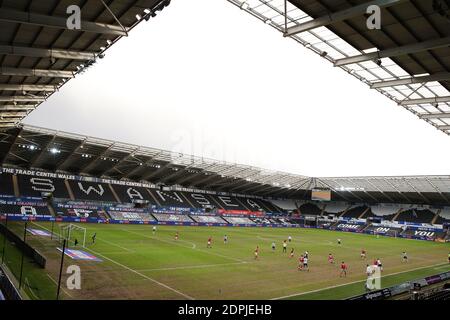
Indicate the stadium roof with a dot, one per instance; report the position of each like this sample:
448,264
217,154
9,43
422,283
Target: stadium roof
32,147
407,60
39,54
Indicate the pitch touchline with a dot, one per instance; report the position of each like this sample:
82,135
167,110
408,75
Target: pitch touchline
134,271
193,248
349,283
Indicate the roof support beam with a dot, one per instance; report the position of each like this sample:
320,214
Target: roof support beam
392,83
332,18
9,114
21,99
435,115
15,16
27,87
444,127
46,53
17,107
394,52
36,73
424,100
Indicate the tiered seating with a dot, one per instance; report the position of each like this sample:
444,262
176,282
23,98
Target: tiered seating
262,220
335,208
79,211
416,216
170,198
382,230
200,200
163,217
444,217
127,194
310,209
30,186
129,214
238,220
207,219
25,208
92,191
424,233
354,212
229,203
6,185
344,226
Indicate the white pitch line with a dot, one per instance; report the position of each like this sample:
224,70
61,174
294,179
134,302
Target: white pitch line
54,281
134,271
349,283
193,248
142,275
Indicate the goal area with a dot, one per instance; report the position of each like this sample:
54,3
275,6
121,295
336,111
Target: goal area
73,234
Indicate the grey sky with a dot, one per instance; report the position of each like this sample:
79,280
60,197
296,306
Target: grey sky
205,78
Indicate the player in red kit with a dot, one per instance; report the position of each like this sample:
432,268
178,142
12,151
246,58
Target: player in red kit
300,262
256,252
330,258
363,254
343,269
209,243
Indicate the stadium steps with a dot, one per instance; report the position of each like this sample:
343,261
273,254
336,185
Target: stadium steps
394,218
362,214
153,197
15,182
69,190
187,200
345,211
436,216
51,209
114,193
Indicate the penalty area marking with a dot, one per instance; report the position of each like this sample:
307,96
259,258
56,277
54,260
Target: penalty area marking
134,271
353,282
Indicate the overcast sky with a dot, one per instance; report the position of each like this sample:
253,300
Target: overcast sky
208,79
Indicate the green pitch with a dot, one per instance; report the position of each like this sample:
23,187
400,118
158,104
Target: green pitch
138,264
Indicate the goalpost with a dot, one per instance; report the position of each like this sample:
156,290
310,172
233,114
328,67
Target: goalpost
72,232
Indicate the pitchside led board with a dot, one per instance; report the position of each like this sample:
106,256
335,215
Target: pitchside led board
321,195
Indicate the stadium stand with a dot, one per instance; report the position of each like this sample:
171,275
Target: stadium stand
423,233
129,194
238,220
384,230
31,186
444,216
310,209
25,208
79,210
199,200
83,190
6,184
163,217
335,208
229,202
416,215
129,214
355,212
383,211
347,226
169,198
207,219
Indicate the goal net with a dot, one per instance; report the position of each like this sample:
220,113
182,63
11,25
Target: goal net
75,235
